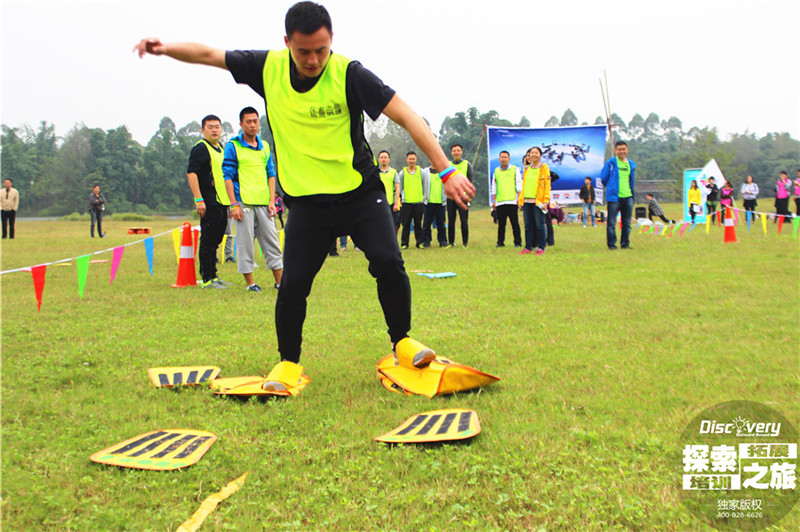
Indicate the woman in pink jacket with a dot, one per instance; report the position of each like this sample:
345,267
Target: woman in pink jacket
782,193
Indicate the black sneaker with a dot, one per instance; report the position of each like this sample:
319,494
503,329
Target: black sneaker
277,286
254,288
229,259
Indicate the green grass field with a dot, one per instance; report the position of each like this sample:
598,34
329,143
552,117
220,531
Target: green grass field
604,359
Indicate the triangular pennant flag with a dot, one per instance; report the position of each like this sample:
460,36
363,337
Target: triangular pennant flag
683,228
234,246
719,218
222,248
795,223
148,248
196,237
281,238
260,253
692,227
644,229
708,223
38,273
83,270
671,233
748,216
115,262
780,224
764,223
176,241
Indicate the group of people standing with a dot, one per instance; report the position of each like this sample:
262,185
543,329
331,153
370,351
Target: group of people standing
417,198
718,198
237,181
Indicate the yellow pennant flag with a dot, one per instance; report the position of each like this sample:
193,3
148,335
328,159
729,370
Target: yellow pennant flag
210,504
708,223
764,222
176,241
222,248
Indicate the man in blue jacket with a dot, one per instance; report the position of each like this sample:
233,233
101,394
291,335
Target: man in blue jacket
618,177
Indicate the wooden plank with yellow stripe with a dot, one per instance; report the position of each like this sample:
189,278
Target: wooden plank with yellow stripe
158,450
435,426
182,375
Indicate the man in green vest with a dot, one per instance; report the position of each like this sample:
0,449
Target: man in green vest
463,167
204,174
391,183
316,100
250,183
434,208
505,189
410,179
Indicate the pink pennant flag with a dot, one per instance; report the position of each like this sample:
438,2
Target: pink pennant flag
38,273
683,228
115,262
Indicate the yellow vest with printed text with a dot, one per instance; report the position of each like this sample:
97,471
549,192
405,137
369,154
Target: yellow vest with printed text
311,129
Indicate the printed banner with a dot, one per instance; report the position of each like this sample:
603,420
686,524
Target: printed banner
574,153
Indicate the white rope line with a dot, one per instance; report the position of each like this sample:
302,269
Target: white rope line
90,254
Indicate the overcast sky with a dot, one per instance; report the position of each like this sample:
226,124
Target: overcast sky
725,63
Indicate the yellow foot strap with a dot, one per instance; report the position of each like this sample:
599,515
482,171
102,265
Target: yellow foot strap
413,354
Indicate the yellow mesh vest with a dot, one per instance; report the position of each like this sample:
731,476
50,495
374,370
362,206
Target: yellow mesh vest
216,172
387,178
253,182
313,147
506,184
412,186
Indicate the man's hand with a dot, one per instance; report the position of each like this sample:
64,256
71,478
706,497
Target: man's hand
459,189
396,207
271,208
150,45
201,208
236,212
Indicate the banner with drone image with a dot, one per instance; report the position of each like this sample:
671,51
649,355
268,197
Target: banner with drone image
574,153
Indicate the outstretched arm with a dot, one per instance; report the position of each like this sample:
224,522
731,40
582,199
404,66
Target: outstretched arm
188,52
458,188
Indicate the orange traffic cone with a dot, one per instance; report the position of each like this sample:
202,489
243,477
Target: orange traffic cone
186,273
730,229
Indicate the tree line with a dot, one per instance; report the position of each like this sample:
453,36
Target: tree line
55,174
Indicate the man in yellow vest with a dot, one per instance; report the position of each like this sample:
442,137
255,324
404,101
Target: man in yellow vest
505,189
464,167
315,104
391,183
250,183
204,174
434,199
410,179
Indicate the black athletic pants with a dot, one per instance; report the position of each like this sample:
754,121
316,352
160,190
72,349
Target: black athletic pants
310,229
412,211
212,229
434,212
508,212
463,216
9,217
